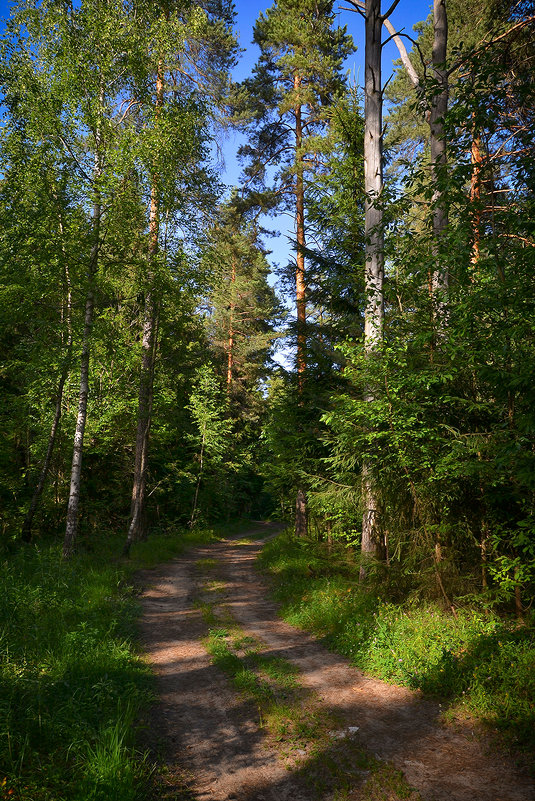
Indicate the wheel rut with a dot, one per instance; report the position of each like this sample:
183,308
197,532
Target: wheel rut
212,738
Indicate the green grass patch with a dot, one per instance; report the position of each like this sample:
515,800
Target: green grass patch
480,663
72,683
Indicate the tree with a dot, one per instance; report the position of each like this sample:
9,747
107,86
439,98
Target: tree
212,426
295,80
67,58
243,306
199,64
374,248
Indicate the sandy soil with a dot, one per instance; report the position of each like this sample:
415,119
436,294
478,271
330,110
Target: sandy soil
211,739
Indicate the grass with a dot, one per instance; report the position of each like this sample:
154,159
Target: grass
72,683
480,664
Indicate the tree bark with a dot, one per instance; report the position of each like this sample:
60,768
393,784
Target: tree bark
301,515
26,532
475,198
76,468
300,285
230,350
374,252
437,142
136,528
434,113
71,527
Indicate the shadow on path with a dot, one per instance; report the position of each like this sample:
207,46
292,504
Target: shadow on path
208,734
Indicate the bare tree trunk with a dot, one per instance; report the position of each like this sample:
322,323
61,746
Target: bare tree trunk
475,197
149,339
301,515
230,350
374,252
76,468
26,533
434,114
437,141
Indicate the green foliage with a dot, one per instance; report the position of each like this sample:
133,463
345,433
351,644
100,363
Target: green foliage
477,663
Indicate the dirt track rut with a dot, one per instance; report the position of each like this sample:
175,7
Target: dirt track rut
211,738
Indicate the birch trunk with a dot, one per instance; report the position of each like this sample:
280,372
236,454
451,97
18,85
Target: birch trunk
76,468
437,142
374,251
149,337
26,532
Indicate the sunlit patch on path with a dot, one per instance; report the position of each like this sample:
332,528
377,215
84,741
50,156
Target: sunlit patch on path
211,734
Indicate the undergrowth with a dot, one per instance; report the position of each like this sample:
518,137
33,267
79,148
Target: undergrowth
72,684
480,663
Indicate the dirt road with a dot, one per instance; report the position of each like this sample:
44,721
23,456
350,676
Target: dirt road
387,742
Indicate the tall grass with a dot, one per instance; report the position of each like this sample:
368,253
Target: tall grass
72,683
479,663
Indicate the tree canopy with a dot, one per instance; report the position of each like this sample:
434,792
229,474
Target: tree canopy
138,296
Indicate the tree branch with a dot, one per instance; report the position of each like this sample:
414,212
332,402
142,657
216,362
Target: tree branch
413,75
486,45
390,11
357,6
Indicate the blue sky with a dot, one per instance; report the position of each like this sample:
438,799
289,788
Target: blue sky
406,15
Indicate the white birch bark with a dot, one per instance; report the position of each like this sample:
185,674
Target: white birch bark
374,249
437,141
76,467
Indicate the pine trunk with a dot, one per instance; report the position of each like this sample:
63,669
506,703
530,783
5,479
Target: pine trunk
300,285
475,197
374,252
301,515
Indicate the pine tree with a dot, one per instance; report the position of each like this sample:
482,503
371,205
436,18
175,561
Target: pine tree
295,80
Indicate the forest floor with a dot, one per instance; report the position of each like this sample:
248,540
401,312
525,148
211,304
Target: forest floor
252,709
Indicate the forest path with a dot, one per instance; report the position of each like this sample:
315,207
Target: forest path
215,741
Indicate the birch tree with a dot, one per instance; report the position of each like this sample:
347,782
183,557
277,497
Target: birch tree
190,48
